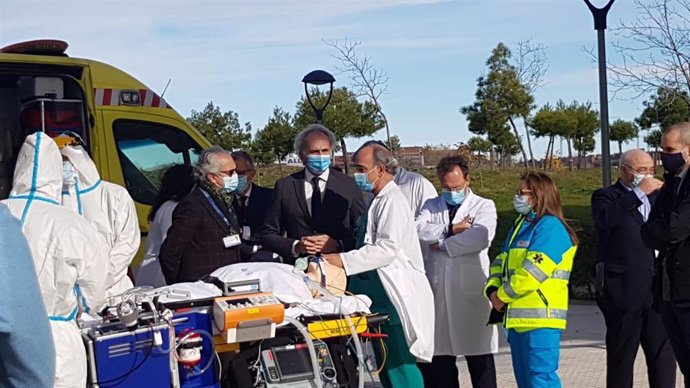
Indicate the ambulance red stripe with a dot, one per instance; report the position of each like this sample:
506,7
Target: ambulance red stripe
111,97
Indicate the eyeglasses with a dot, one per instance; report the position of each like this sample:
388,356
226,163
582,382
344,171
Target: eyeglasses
642,170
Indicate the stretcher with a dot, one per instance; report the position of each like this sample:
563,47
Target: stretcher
266,311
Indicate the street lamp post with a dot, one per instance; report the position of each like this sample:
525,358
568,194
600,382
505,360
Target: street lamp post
318,77
599,15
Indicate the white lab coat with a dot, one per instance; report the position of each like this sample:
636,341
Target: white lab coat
66,249
416,188
149,272
392,248
110,209
458,273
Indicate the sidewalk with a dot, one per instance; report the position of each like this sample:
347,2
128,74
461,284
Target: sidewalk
583,355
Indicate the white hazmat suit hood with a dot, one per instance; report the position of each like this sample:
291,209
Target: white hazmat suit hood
110,209
68,253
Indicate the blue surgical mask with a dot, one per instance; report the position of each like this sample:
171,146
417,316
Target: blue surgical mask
230,183
453,198
521,204
318,164
362,181
69,173
242,183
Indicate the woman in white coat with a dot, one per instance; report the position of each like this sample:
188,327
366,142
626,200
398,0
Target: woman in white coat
455,232
177,182
69,254
388,266
108,207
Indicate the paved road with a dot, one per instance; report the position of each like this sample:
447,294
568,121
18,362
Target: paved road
583,355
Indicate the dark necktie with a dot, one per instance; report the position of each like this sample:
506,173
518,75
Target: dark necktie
243,209
452,211
315,198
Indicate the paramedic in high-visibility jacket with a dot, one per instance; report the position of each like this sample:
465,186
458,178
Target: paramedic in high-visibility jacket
528,281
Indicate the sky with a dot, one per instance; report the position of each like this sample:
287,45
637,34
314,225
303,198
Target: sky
249,56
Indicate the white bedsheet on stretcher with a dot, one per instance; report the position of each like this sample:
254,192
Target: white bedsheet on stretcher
285,284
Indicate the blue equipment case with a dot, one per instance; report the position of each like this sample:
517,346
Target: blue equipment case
122,358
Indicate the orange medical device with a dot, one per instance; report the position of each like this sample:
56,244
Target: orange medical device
248,317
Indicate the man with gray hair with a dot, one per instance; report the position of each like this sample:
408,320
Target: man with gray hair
624,273
316,209
205,233
668,231
387,265
416,188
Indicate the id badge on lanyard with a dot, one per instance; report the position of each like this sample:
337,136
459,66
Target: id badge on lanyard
229,241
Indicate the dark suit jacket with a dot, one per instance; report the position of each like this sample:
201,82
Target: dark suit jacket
668,231
194,245
343,204
628,265
253,217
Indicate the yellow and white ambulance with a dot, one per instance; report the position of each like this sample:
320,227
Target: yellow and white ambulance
132,134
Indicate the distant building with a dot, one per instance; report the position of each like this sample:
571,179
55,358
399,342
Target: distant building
411,156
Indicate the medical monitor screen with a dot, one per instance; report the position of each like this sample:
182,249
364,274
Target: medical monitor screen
294,362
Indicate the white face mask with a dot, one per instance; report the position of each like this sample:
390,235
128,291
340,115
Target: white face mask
638,178
69,173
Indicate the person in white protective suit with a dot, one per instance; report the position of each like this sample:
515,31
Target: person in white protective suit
389,268
69,254
110,209
455,232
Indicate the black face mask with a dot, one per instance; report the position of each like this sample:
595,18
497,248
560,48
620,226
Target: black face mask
672,162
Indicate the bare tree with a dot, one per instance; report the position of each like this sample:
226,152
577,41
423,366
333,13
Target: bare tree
366,80
655,51
531,66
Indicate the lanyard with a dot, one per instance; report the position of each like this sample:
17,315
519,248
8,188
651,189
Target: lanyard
216,208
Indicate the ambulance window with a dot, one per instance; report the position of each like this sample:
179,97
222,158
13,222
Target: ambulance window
146,150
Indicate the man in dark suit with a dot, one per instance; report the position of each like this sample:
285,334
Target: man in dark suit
668,231
317,208
205,233
250,203
625,267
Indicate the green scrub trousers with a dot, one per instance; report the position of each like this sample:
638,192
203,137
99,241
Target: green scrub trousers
400,369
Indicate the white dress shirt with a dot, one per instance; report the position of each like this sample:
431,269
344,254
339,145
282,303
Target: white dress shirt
309,189
646,206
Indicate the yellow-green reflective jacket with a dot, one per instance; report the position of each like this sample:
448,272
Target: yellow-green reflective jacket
532,272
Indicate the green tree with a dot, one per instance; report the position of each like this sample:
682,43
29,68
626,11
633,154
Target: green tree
665,108
545,123
653,139
395,144
479,145
346,116
586,126
221,128
622,131
499,100
276,139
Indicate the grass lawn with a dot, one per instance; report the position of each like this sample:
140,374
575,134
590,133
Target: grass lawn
576,188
